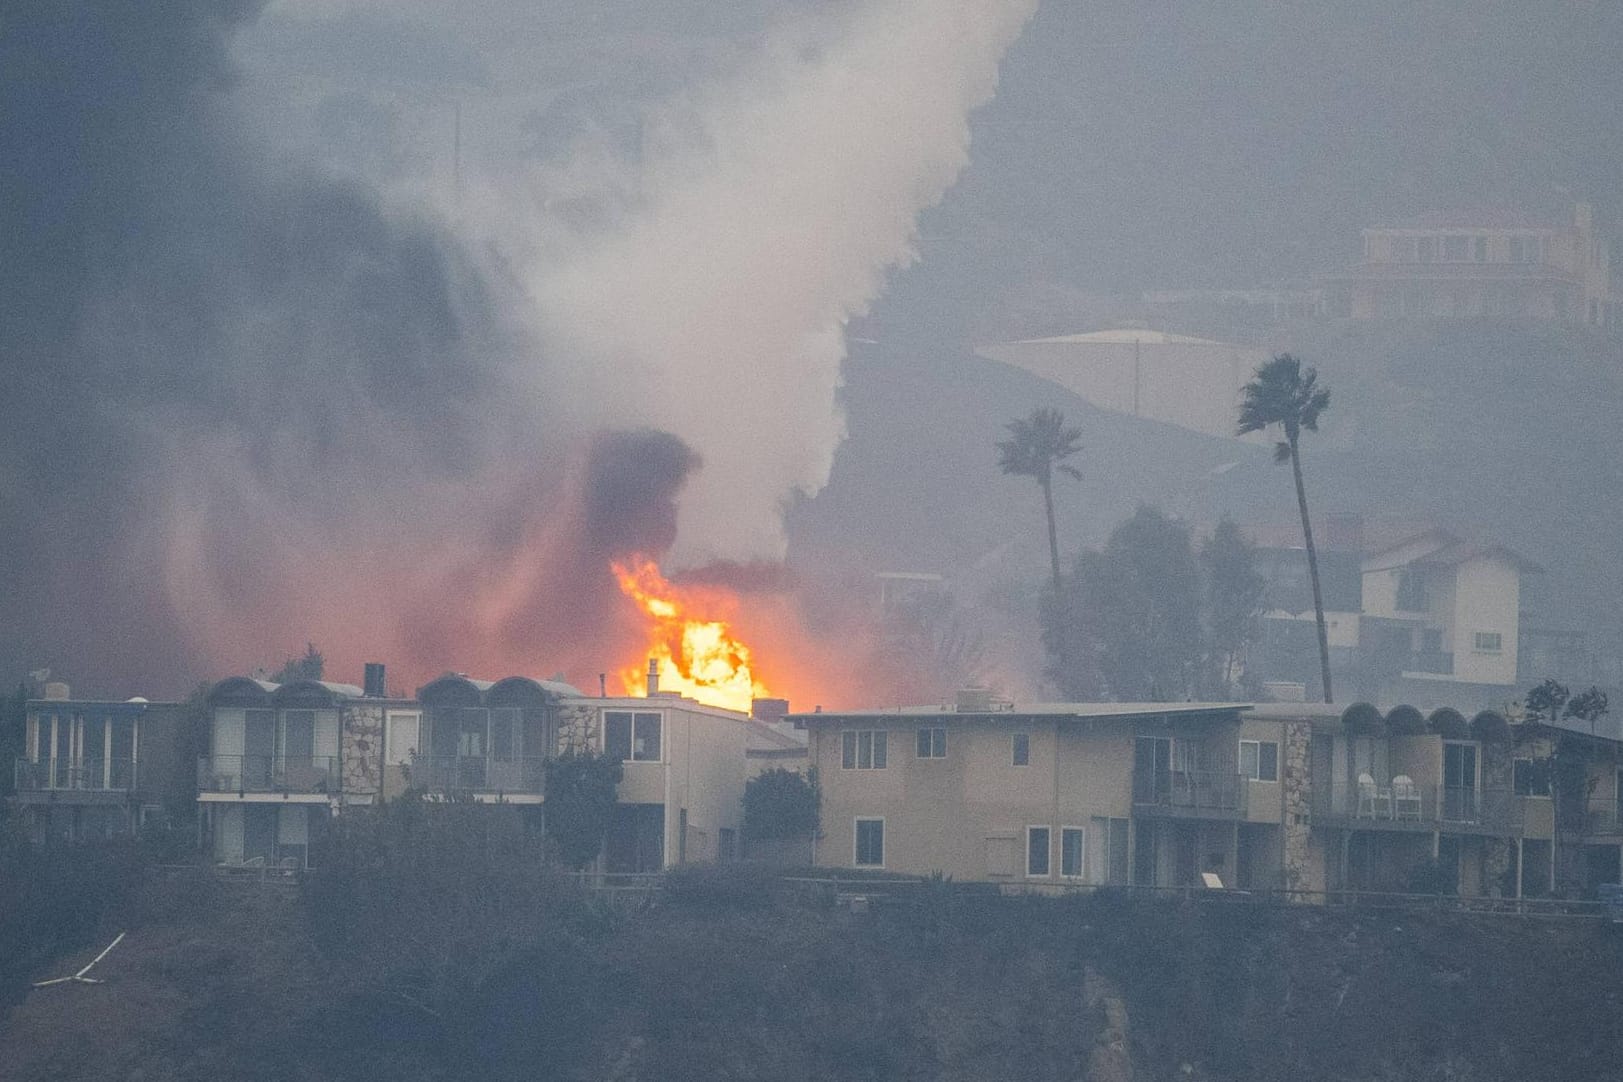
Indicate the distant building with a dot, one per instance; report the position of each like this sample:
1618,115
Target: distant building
1489,264
95,769
1190,382
1419,616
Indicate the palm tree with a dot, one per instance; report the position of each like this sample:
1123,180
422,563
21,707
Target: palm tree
1282,393
1036,447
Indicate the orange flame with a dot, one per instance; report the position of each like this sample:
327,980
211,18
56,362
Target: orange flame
697,657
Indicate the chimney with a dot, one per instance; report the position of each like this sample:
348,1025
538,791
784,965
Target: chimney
372,682
602,685
653,678
769,709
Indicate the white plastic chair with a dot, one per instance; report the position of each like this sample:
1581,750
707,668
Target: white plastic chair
1405,798
1366,797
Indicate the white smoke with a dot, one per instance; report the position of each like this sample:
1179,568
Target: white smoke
716,309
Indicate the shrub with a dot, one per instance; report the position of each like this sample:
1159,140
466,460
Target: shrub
1361,719
721,887
781,804
1405,721
580,803
1448,722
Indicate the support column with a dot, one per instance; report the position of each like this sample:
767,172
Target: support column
1519,869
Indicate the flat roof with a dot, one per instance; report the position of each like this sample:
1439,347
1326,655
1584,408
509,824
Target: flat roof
1075,711
666,700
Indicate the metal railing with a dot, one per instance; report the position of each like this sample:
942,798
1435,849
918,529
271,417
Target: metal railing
525,774
267,774
1432,805
81,775
1193,791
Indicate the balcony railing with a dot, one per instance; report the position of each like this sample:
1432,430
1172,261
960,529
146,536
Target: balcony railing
1191,792
81,775
1430,806
267,774
478,774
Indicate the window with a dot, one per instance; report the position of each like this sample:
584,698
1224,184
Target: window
403,734
870,843
634,737
1259,760
1488,642
1021,750
1072,848
1411,590
1036,851
862,749
1531,777
932,743
504,734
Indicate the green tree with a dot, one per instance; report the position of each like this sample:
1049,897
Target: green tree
307,667
1037,446
1135,614
782,804
580,804
1551,702
1283,393
1233,596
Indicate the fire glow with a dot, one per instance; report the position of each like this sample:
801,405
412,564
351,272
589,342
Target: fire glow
698,657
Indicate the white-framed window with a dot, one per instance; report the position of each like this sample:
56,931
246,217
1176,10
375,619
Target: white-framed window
933,743
863,749
1037,851
868,842
1073,847
632,736
1259,760
1020,749
404,732
1488,642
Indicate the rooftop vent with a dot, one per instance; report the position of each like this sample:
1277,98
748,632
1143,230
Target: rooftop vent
56,691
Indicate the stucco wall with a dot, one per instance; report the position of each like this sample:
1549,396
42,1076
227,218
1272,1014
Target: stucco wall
1487,597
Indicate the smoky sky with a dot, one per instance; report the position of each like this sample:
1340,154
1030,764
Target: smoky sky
170,294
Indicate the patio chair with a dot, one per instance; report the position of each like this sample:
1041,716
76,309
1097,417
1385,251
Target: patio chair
1405,798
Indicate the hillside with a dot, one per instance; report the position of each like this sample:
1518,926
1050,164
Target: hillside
726,981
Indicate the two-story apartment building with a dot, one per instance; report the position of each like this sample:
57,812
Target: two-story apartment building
1493,264
1113,793
284,760
94,769
1297,797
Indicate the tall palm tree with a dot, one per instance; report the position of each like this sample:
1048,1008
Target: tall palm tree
1037,446
1283,393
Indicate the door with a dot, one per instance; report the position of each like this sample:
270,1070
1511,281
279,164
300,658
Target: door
1152,769
1146,853
1460,802
258,748
298,749
259,832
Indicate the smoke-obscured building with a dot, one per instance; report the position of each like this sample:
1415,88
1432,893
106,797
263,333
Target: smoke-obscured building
96,769
1484,264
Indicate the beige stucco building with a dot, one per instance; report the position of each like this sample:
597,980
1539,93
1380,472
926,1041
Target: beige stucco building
1283,797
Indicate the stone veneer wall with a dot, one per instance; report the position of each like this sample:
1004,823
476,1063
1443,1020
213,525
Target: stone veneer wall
577,729
1498,854
1303,864
361,750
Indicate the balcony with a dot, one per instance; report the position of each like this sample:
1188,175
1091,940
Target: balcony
1190,794
522,776
1604,818
284,774
1418,808
74,776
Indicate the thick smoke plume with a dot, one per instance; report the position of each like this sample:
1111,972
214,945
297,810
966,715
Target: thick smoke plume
248,403
717,310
